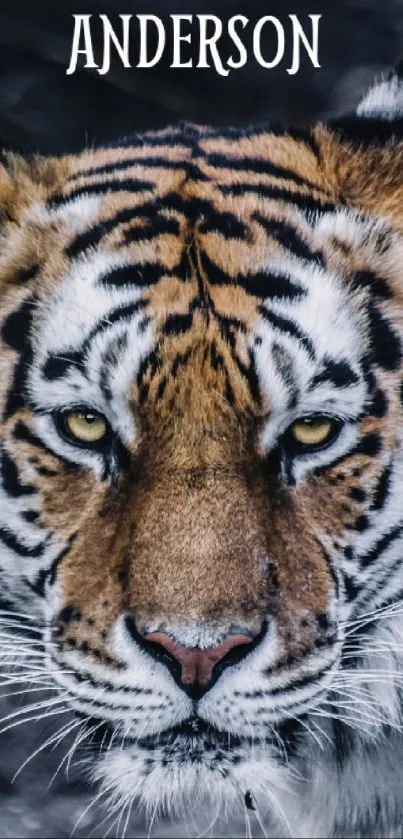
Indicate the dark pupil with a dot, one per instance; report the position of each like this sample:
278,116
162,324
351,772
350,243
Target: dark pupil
89,418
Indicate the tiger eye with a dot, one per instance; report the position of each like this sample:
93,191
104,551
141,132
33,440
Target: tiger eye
312,431
86,427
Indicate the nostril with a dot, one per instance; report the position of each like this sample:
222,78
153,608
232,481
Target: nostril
186,657
195,669
197,664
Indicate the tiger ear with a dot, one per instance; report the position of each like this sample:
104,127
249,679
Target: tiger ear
25,180
7,187
26,183
364,151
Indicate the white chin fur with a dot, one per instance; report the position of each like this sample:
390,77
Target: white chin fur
190,790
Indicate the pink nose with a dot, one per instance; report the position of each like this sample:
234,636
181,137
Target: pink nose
197,665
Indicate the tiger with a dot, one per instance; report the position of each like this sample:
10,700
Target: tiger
201,523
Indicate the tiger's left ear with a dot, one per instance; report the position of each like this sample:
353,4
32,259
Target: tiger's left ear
363,151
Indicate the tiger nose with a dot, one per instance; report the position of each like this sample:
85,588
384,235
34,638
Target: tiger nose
197,664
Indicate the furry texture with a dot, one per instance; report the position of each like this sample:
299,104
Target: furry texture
203,290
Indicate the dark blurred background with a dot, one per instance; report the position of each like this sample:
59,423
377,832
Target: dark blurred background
42,109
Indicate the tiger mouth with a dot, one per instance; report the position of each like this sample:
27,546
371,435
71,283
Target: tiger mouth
194,733
195,736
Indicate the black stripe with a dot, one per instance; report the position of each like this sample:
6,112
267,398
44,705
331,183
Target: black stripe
25,435
290,328
380,546
181,360
156,227
229,327
287,236
249,373
141,275
351,587
16,332
330,567
301,135
108,687
115,316
114,347
100,188
379,404
271,287
153,162
385,343
148,367
148,209
17,326
304,202
381,577
55,367
177,324
30,516
25,275
12,483
11,541
302,681
49,575
16,395
370,445
227,224
260,166
382,489
371,281
263,284
337,373
92,237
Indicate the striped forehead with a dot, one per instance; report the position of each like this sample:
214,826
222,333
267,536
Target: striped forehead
113,306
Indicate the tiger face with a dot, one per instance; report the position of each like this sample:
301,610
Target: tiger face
201,400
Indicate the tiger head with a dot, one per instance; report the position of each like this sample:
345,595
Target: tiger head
201,409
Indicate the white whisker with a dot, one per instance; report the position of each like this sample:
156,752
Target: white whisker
53,739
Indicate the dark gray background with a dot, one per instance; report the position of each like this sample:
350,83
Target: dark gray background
42,109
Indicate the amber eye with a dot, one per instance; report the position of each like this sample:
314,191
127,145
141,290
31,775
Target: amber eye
315,431
83,426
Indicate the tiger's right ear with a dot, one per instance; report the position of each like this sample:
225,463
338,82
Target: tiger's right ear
25,180
26,183
15,183
362,152
7,187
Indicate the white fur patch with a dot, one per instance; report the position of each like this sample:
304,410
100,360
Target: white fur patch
384,100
